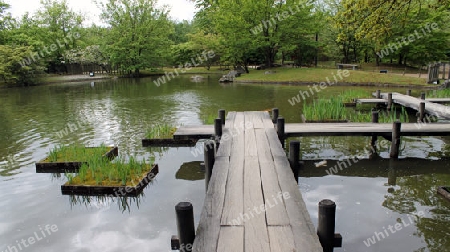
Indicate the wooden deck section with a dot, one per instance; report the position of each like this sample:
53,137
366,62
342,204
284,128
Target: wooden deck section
251,171
431,108
365,129
339,129
194,132
371,101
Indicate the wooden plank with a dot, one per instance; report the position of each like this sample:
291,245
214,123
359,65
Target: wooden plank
194,132
209,225
267,120
231,238
438,100
257,119
274,143
229,120
304,232
371,101
225,144
256,236
250,143
234,205
281,238
276,211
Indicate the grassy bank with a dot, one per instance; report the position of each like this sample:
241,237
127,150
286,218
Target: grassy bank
317,75
193,70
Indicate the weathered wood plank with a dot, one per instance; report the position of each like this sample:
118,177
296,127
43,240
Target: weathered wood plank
304,232
282,239
257,119
234,205
250,143
256,236
371,101
194,132
209,225
274,143
225,144
276,210
229,120
267,120
231,238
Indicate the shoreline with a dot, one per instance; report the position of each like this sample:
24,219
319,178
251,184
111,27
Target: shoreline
349,84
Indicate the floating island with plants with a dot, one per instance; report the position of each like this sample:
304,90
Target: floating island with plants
70,158
162,136
117,178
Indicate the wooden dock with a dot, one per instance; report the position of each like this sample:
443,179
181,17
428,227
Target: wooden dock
431,108
250,173
336,129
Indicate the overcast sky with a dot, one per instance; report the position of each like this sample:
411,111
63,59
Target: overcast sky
180,9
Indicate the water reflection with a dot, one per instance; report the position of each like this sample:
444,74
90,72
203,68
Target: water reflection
191,171
105,202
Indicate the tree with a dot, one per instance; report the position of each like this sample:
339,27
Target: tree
138,35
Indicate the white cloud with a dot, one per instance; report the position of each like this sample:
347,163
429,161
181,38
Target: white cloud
180,9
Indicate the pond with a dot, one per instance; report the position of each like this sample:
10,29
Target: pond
371,195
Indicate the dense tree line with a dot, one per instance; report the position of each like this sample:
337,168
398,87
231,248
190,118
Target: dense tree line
137,35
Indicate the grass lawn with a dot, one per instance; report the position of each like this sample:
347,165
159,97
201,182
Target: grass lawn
193,70
316,75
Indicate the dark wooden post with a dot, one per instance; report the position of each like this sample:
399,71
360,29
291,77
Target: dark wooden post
421,111
375,117
175,242
275,115
280,129
294,157
185,225
389,106
422,95
408,92
395,144
222,115
209,157
326,226
378,94
218,127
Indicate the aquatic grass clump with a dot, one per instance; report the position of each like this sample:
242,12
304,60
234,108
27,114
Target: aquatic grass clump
75,153
325,109
350,95
440,93
209,119
383,116
118,173
161,131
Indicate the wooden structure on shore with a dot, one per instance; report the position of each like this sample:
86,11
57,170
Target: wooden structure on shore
252,201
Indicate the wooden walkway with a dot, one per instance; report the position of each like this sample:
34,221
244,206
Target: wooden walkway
431,108
250,172
365,129
336,129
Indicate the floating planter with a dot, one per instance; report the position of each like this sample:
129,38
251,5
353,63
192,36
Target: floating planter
444,191
162,136
114,179
70,158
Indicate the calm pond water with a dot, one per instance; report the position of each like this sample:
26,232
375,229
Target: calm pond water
371,195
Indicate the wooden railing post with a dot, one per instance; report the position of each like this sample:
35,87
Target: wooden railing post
294,157
389,106
185,225
275,115
280,130
395,144
222,115
209,158
326,226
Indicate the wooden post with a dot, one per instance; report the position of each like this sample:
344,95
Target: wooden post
375,117
222,115
395,144
175,242
392,176
280,129
421,111
185,224
443,74
294,157
408,92
326,226
218,127
275,115
209,158
422,95
378,94
389,106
